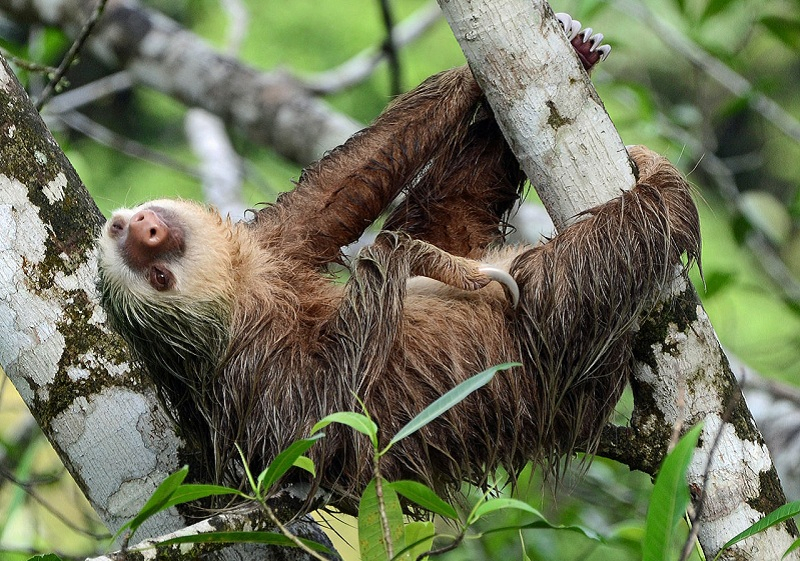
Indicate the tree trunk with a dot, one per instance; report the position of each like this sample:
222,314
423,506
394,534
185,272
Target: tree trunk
102,416
569,148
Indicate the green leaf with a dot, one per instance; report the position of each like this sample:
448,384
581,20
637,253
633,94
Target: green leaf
448,401
45,557
546,525
285,460
786,30
157,502
357,421
305,463
371,539
669,500
419,539
493,505
194,491
424,496
270,538
777,516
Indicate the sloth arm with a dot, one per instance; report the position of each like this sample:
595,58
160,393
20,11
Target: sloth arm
339,196
461,201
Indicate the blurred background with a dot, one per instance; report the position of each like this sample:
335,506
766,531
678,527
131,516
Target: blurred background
711,84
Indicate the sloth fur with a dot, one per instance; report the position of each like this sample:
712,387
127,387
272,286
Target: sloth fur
251,342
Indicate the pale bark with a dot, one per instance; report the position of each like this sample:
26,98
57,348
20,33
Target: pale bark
102,416
571,151
555,124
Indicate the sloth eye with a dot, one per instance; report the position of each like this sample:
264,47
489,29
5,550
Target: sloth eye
160,278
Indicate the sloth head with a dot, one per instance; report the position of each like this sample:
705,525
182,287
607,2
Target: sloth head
165,250
167,275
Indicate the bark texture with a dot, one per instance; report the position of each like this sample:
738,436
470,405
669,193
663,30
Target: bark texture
71,371
102,416
683,356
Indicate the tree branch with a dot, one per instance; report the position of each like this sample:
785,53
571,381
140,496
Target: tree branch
271,108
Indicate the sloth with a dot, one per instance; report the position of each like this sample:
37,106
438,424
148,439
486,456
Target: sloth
251,342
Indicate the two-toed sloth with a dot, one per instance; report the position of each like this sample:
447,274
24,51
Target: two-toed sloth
251,342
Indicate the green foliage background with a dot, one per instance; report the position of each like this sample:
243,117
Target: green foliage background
654,95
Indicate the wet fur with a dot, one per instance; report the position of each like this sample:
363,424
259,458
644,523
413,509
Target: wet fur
269,345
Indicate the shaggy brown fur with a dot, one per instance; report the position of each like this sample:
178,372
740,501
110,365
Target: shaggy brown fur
252,343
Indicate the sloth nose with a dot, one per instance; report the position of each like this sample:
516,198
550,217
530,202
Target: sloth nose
148,229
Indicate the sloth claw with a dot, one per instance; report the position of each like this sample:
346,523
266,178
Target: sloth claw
595,40
508,282
571,26
587,45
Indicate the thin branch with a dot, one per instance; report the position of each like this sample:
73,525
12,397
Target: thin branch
285,531
361,66
109,138
27,64
29,490
91,92
69,58
390,49
445,548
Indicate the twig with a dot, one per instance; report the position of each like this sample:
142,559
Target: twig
27,64
445,548
29,490
109,138
77,45
91,92
361,66
285,531
390,49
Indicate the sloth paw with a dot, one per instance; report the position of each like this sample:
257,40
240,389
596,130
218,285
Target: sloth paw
508,282
587,45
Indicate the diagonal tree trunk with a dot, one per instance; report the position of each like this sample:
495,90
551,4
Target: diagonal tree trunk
100,414
569,148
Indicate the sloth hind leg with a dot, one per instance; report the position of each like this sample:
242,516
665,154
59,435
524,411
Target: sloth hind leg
427,260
